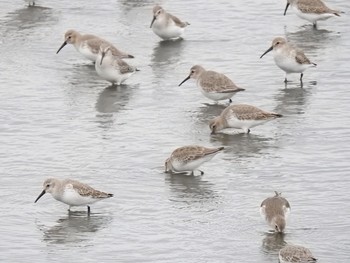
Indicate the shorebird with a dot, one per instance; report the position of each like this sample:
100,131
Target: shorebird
295,254
72,193
311,10
289,58
165,25
213,85
89,45
275,210
189,158
241,116
112,68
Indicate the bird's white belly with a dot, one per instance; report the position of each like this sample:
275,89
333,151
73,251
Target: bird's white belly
289,64
110,73
216,96
87,52
167,31
73,198
311,17
179,166
243,124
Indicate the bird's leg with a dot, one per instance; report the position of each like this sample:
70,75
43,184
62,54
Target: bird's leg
192,173
229,101
88,210
246,130
69,208
201,172
285,80
301,77
315,25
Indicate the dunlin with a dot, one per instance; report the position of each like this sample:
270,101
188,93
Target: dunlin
165,25
275,210
289,58
112,68
213,85
311,10
295,254
72,193
89,45
241,116
189,158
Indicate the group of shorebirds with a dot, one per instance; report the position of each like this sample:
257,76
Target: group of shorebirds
109,65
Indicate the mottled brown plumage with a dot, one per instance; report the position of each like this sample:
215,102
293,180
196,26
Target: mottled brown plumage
296,254
274,210
241,116
189,158
90,42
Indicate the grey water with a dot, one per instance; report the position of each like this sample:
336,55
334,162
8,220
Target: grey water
59,119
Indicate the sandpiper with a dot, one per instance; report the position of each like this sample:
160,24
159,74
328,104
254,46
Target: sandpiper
241,116
213,85
72,193
311,10
165,25
112,68
275,210
189,158
289,58
89,45
295,254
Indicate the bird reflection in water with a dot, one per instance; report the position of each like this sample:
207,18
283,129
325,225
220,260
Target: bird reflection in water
294,99
311,40
245,145
29,17
189,189
167,52
110,101
272,243
76,227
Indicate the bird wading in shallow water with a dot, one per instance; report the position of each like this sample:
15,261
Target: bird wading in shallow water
89,45
241,116
289,58
165,25
189,158
311,10
295,254
72,193
213,85
275,210
112,68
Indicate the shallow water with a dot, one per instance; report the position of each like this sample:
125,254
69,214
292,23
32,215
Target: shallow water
59,119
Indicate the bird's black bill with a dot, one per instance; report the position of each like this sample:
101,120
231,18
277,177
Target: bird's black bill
267,51
42,193
64,43
184,80
154,18
103,55
285,10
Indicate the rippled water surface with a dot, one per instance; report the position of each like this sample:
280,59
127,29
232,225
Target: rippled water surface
59,119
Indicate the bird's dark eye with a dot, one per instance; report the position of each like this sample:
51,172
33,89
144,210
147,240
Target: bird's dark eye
47,185
192,71
69,37
277,43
